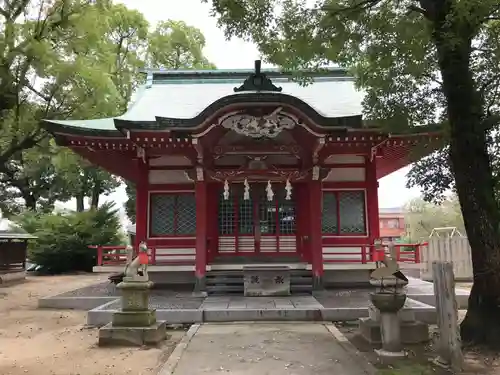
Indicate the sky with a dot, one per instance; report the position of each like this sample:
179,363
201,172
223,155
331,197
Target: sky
238,54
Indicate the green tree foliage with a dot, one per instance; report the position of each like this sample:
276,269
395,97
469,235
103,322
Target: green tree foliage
176,45
130,203
72,59
123,38
419,62
63,239
59,59
422,217
172,45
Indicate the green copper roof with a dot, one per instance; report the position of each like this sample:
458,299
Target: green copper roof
332,98
184,94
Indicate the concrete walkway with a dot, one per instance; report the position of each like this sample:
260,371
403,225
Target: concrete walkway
266,349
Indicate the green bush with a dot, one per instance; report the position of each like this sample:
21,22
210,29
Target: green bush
64,239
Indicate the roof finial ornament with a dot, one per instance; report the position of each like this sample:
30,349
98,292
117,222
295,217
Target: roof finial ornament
258,81
257,65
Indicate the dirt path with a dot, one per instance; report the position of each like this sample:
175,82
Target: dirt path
52,342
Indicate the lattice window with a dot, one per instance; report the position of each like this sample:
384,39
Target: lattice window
267,214
344,212
186,214
352,212
226,215
286,210
245,216
239,213
329,215
173,214
162,214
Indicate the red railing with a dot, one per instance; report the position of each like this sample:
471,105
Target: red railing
177,255
405,253
110,255
117,255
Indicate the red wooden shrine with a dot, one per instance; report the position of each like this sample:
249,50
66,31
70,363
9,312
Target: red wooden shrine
266,171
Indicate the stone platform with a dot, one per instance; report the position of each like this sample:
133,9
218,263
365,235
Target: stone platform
181,307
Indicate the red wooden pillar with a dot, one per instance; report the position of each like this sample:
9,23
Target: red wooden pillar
141,205
373,224
315,236
201,234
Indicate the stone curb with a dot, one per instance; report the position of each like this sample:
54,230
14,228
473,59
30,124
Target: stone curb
100,316
74,303
352,351
430,299
170,365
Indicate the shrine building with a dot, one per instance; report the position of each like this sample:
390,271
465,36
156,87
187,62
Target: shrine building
238,167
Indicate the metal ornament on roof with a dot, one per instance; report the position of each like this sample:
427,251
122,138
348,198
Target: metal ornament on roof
258,81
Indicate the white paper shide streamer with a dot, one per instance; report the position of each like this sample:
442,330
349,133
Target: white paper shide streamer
246,193
226,190
269,191
288,189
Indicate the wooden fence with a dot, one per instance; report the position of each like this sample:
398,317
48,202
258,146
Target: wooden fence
451,249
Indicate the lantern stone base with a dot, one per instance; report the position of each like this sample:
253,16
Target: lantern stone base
411,332
135,324
134,318
400,323
111,335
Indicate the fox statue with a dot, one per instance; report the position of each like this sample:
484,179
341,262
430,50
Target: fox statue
136,268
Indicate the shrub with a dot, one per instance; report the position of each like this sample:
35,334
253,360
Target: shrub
63,239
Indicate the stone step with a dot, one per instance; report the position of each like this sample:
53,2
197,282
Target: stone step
232,289
225,289
224,280
232,282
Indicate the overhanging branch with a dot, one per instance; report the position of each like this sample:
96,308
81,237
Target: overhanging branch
357,7
4,13
27,142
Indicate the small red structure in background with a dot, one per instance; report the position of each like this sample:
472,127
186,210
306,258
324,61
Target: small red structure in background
392,223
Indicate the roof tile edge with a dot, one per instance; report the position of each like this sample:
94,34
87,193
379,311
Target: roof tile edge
159,74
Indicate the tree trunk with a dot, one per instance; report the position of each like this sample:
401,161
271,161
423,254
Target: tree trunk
96,193
29,200
471,166
80,203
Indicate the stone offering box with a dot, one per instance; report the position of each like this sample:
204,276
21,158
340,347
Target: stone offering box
266,281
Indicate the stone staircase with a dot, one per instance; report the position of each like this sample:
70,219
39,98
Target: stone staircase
231,282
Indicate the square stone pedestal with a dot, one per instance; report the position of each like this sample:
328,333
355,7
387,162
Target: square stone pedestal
110,335
412,331
135,324
266,281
